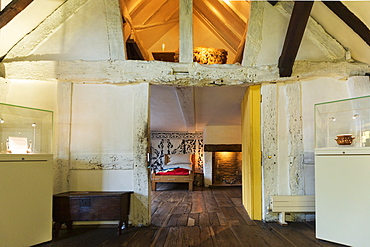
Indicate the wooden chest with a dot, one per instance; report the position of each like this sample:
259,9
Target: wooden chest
90,206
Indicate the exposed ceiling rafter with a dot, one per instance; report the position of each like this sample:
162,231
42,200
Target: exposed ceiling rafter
11,10
350,19
185,97
138,43
297,25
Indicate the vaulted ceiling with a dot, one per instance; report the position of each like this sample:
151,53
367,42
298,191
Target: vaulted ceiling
217,24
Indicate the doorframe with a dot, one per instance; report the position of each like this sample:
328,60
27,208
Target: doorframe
251,151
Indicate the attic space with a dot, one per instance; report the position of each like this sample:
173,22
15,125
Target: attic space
151,29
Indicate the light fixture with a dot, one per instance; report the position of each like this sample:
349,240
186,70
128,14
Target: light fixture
2,120
355,116
34,125
332,119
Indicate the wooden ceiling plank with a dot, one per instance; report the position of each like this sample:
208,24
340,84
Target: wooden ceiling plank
240,51
215,16
350,19
297,25
138,41
215,31
217,26
136,8
236,13
163,10
12,10
174,15
153,25
160,7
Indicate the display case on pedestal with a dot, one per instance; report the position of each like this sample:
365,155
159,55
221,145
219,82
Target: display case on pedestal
26,175
342,169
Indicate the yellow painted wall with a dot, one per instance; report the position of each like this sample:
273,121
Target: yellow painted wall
251,147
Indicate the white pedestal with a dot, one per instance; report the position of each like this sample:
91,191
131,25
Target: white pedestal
343,195
25,199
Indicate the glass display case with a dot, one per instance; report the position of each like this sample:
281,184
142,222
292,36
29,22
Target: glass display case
343,123
25,130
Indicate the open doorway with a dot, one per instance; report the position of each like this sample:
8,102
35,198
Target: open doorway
187,119
217,123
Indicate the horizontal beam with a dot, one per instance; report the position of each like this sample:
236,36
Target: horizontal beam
222,147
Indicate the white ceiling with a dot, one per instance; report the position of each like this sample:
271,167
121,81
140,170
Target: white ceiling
213,106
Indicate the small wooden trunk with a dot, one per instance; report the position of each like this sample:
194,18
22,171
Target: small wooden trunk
90,206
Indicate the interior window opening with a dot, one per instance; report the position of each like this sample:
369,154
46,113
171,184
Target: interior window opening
151,30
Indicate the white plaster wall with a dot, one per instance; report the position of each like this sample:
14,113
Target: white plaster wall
273,35
36,94
98,180
83,36
109,142
207,168
18,27
222,135
282,142
312,93
101,127
288,132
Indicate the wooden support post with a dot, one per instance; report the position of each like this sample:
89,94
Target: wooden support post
186,31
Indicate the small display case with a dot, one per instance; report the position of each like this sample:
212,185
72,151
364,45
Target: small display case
25,130
343,123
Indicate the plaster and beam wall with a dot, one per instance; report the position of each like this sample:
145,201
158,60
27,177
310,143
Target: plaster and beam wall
73,64
287,113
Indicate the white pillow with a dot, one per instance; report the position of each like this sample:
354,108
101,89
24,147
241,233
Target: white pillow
185,166
179,159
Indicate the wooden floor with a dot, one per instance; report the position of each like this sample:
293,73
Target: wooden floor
203,217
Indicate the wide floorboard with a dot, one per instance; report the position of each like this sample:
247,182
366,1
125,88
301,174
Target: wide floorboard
203,217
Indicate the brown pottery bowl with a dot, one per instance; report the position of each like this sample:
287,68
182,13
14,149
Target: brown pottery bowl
345,139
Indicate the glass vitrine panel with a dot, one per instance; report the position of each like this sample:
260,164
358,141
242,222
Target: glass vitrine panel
343,123
25,130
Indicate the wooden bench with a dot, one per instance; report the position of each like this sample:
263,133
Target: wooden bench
292,204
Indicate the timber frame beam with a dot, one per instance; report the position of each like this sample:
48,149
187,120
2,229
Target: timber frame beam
297,25
350,19
11,10
185,97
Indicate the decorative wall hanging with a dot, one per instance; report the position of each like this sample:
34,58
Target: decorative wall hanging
175,143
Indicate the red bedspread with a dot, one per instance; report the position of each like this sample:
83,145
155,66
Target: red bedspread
177,172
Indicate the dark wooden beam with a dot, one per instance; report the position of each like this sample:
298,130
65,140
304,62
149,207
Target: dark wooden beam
222,147
297,25
350,19
273,3
11,10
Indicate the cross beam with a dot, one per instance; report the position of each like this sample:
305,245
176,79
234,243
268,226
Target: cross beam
297,25
350,19
11,10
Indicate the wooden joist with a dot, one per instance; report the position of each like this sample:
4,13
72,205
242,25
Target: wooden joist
297,25
350,19
11,10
